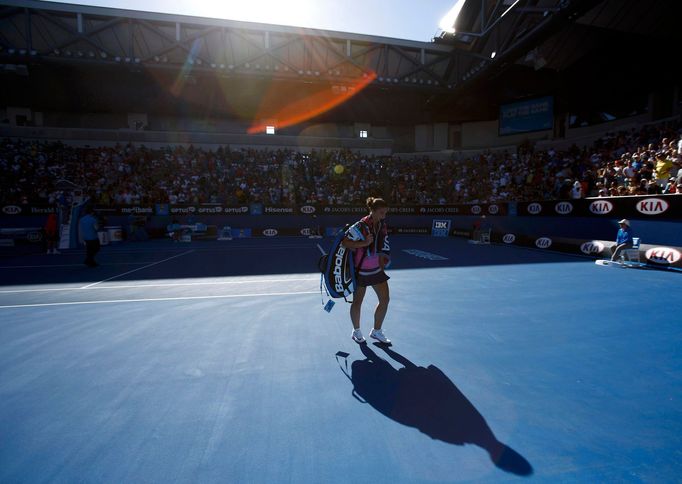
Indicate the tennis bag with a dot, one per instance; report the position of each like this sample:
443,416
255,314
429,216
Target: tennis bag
338,267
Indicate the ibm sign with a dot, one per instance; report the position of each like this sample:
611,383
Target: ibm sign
441,228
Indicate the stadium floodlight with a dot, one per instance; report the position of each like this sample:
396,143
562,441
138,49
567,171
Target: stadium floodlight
269,130
447,23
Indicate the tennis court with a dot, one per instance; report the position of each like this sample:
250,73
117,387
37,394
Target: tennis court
215,362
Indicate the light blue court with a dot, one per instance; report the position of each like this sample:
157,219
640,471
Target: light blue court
205,362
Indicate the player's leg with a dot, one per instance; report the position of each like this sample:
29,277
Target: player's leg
382,306
356,307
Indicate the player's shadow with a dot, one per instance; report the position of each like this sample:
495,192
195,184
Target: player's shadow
426,399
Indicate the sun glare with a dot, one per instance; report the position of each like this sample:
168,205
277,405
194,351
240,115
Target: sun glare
297,13
447,23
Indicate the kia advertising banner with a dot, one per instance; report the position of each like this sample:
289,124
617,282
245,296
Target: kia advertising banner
27,209
642,207
658,256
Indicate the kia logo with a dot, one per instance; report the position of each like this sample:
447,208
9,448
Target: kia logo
475,209
191,209
543,242
34,236
327,209
509,238
534,208
652,206
305,231
601,207
270,232
493,209
308,209
245,209
11,209
592,247
563,208
663,255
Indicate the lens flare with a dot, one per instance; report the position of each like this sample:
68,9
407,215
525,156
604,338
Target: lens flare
311,105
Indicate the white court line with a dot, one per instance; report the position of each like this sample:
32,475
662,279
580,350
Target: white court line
321,249
184,298
138,269
134,286
74,265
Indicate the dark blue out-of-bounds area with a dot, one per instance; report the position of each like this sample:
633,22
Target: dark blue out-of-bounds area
215,362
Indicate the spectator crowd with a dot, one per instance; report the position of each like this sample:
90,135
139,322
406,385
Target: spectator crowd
636,162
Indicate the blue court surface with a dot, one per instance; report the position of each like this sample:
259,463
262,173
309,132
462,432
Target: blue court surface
215,362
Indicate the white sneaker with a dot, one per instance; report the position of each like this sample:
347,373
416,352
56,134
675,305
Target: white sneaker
357,336
379,335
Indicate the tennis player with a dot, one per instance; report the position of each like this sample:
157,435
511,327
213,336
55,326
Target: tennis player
371,255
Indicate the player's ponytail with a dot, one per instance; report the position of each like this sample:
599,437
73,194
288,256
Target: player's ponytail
375,203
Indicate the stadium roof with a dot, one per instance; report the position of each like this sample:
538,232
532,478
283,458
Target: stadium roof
580,51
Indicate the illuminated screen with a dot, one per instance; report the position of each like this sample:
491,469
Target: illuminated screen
526,116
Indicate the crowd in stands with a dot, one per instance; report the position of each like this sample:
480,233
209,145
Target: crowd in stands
636,162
